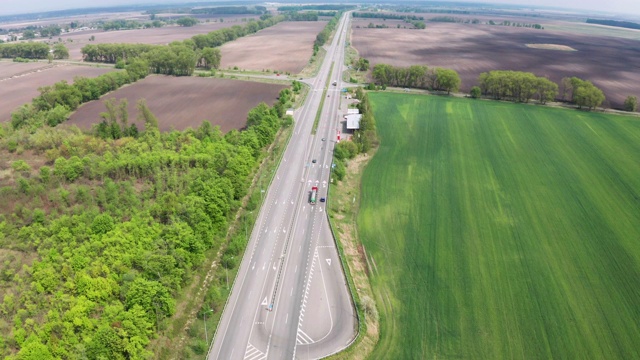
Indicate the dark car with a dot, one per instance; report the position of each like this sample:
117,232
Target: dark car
313,161
323,199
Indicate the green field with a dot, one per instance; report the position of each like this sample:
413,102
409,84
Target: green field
503,231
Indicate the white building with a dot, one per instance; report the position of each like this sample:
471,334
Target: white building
353,121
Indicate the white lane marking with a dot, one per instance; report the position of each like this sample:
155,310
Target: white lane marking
296,270
303,338
286,319
265,264
264,302
329,261
291,294
253,354
254,266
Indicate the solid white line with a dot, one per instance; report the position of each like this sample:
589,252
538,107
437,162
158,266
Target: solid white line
286,319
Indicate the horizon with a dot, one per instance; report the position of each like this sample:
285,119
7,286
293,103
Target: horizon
614,7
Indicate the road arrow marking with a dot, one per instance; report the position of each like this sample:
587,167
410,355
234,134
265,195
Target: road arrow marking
264,302
329,262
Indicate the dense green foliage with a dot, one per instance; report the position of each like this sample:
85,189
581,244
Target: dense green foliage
301,16
517,86
120,24
56,102
583,93
501,231
617,23
50,30
26,50
187,21
116,228
324,35
631,103
416,76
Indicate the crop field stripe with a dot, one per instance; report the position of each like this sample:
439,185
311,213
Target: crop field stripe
503,231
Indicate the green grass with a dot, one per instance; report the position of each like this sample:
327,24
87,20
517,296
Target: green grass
503,231
316,121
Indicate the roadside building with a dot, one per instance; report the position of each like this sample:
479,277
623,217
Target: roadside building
353,121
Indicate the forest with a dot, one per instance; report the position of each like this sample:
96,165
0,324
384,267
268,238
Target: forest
103,233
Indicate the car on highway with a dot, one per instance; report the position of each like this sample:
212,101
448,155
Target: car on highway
323,199
313,161
323,139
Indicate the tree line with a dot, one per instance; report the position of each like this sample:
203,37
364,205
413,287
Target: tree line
56,102
26,50
325,7
118,227
257,9
179,58
581,92
301,16
616,23
384,15
416,76
517,86
323,36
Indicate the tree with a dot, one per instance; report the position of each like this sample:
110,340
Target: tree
631,104
60,51
187,21
29,34
145,115
476,92
447,80
210,58
361,64
587,95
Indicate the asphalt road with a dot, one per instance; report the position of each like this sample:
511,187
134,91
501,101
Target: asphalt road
290,299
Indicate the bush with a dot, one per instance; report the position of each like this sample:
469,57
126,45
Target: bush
476,92
631,104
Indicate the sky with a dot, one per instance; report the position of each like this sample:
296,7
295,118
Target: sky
25,6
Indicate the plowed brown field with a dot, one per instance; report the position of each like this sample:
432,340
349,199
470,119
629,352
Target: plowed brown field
287,46
19,84
610,63
181,102
154,36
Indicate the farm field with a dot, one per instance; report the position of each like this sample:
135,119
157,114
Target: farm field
502,231
19,85
223,102
609,62
155,36
9,69
287,46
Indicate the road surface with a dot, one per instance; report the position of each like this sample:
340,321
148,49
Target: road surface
290,299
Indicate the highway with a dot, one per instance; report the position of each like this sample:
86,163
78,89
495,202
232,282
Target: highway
290,299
